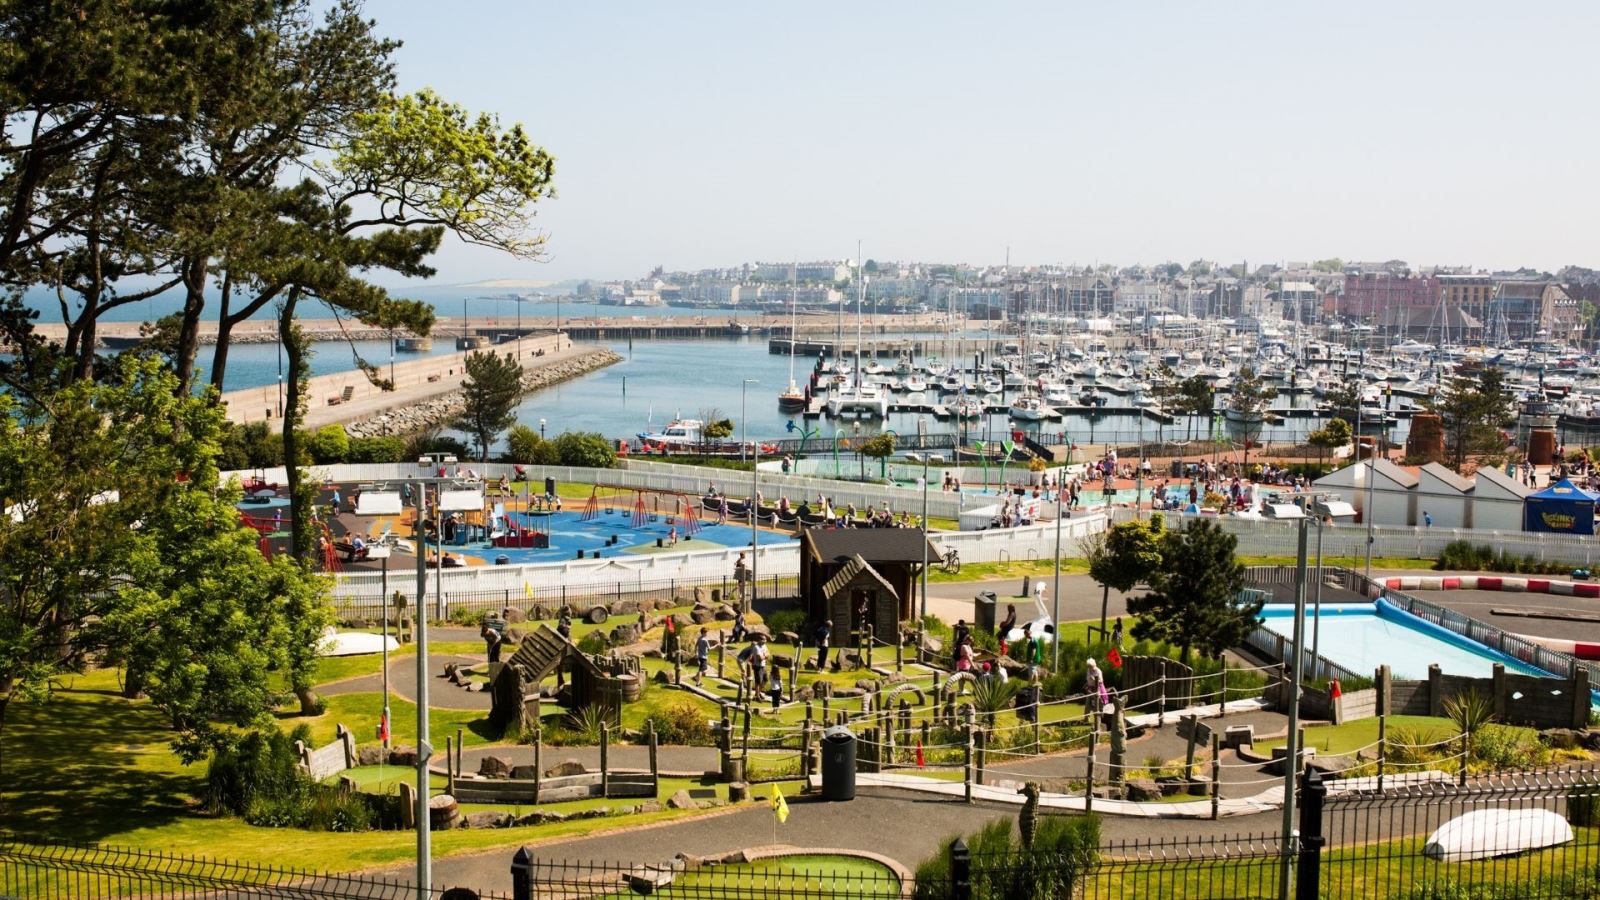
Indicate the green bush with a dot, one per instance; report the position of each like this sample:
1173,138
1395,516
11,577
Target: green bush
1468,557
1065,849
252,446
328,444
593,642
376,450
260,768
460,615
788,620
523,444
1502,747
680,723
1583,805
585,449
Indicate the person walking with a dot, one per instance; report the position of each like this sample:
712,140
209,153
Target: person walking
492,637
702,656
823,636
1427,519
775,686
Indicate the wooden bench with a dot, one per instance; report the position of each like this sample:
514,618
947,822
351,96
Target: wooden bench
343,397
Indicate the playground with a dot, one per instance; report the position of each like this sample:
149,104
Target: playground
613,521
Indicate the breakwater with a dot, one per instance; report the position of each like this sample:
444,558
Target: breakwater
441,410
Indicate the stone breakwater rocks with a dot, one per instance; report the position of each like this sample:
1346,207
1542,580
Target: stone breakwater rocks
439,410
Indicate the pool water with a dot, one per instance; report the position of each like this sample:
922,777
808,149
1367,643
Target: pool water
569,533
1362,636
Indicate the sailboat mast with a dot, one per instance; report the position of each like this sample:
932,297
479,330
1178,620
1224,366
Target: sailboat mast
861,294
793,274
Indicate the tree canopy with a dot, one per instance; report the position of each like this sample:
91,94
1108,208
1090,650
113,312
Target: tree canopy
1471,411
1195,596
120,541
489,396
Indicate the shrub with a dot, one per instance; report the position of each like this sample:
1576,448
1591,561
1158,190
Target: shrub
788,620
593,642
1064,849
376,450
1503,747
522,444
328,444
460,615
680,723
259,769
586,449
585,723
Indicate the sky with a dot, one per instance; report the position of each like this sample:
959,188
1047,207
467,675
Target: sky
701,134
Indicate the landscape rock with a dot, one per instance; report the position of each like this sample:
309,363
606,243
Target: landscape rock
623,635
1143,791
493,766
514,615
699,595
649,806
1591,740
782,661
666,603
726,613
738,791
821,688
682,800
524,773
403,756
1330,765
596,615
931,644
867,684
790,638
661,677
564,768
488,820
702,615
369,755
1561,738
541,818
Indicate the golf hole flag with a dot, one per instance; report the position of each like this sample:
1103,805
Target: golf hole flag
780,806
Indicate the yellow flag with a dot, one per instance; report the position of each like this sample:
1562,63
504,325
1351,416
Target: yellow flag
528,588
780,807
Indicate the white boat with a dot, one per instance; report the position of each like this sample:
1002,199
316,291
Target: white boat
860,399
682,433
1057,394
1030,409
967,408
916,384
1487,833
993,385
951,382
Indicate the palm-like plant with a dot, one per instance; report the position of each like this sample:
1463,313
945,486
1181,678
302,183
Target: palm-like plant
1470,710
991,695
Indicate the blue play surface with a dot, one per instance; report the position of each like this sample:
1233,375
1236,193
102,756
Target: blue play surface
569,534
1363,636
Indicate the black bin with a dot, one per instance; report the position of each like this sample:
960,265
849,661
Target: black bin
838,764
1177,468
984,607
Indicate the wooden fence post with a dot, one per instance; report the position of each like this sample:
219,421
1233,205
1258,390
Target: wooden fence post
1216,775
1088,787
605,761
538,771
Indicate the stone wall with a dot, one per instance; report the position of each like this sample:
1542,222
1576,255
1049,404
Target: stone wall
441,409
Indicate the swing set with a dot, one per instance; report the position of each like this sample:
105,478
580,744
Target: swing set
676,509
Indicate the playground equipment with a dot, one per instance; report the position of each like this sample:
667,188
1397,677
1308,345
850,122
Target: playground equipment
682,514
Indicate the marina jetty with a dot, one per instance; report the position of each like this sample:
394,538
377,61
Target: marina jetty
426,391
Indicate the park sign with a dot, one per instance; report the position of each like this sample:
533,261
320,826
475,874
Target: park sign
1561,508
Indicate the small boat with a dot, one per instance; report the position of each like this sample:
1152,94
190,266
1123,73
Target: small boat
993,385
967,408
916,384
680,434
1030,409
1488,833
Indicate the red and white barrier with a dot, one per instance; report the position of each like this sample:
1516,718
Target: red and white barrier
1508,585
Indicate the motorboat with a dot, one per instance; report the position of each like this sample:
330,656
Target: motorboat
993,385
680,434
1030,409
915,383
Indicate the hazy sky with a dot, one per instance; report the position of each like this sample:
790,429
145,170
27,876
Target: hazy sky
695,134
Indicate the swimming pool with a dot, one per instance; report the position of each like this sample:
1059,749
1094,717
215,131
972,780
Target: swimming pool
1363,636
569,533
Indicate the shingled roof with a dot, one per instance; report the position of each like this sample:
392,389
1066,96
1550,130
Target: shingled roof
879,545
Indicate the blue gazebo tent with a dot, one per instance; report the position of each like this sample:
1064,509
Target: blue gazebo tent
1561,508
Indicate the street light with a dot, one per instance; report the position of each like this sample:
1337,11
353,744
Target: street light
1055,600
541,429
744,425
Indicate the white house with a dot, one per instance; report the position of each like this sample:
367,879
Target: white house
1445,496
1393,491
1497,501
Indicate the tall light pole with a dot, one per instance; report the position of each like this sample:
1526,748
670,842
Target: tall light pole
424,749
541,429
1291,761
926,456
1055,599
744,425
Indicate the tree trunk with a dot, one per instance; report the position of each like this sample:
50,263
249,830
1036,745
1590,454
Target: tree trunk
310,703
194,302
219,355
5,702
301,499
1105,601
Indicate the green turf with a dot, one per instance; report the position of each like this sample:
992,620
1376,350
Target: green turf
1347,738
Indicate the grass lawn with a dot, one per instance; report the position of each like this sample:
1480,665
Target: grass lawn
1349,737
801,875
89,765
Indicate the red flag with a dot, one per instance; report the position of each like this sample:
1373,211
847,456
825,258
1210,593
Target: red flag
920,762
671,628
383,727
1334,691
1114,658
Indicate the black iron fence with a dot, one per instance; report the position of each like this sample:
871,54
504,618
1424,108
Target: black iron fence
93,871
1524,835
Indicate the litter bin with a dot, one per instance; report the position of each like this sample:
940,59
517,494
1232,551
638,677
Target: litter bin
838,764
983,610
1177,469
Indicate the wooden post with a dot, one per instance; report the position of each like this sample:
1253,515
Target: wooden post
538,767
605,760
722,649
866,655
1038,747
677,668
745,749
805,753
1161,704
1188,752
1383,743
1580,697
966,764
983,753
449,768
1088,787
1222,699
899,656
459,744
1216,775
655,768
1435,690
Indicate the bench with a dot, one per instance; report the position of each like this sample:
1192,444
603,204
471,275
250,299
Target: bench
344,396
349,551
433,377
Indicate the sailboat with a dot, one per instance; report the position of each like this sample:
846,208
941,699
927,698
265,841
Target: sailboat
862,398
794,399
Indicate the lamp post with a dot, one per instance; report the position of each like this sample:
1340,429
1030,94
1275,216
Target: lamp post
541,429
1055,589
1291,760
744,425
926,457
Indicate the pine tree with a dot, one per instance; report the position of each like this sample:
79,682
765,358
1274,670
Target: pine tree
1194,599
490,394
